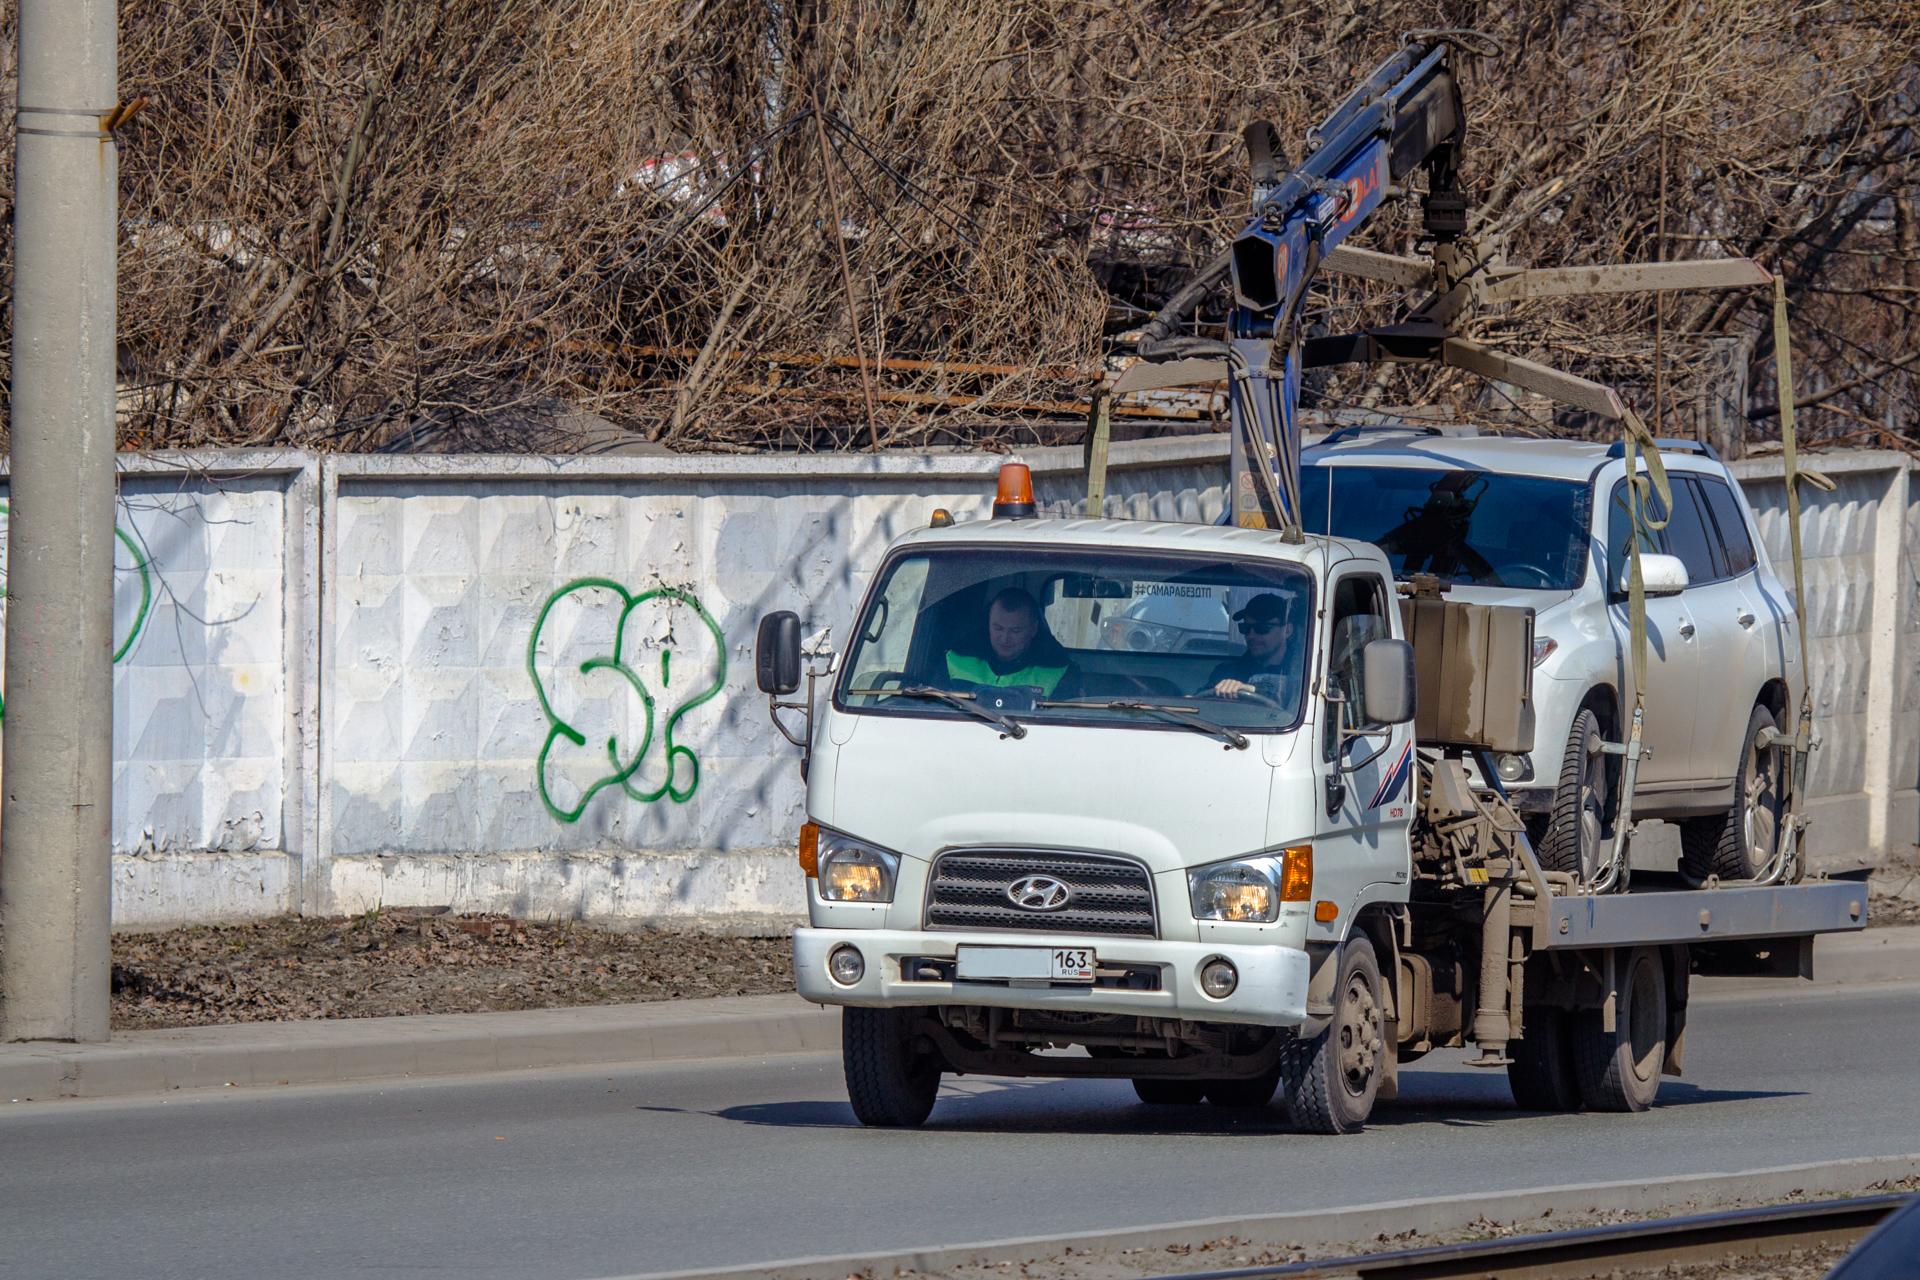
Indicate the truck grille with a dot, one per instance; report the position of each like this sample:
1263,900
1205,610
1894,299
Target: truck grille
968,890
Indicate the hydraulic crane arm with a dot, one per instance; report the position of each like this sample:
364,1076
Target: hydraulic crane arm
1407,114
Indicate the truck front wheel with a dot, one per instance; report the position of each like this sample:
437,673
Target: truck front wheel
1331,1081
890,1081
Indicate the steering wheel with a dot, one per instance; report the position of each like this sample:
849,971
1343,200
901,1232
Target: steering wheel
1250,695
1542,577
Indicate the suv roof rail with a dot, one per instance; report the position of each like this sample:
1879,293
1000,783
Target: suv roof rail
1669,444
1399,428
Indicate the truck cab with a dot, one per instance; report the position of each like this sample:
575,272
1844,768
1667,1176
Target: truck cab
1041,812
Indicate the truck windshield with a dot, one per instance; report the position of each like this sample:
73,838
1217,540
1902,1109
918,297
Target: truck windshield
1473,528
1159,641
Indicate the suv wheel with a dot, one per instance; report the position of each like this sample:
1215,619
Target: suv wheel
1581,822
1738,844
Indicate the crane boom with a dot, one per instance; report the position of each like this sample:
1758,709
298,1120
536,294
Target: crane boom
1406,114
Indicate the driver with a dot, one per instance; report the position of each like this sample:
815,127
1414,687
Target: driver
1019,650
1270,659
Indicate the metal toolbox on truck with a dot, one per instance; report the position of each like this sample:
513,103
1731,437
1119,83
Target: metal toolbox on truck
1473,671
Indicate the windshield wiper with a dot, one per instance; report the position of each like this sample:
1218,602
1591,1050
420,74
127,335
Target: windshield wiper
1185,717
967,702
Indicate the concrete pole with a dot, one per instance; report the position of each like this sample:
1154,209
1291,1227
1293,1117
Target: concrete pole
55,863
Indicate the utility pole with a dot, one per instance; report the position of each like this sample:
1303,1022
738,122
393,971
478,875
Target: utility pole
55,851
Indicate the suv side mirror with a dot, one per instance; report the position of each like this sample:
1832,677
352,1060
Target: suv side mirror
776,653
1387,667
1660,575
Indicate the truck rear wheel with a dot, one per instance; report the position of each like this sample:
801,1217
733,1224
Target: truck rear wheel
890,1081
1331,1081
1738,844
1542,1074
1619,1070
1157,1091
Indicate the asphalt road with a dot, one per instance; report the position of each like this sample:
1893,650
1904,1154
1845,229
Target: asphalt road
602,1173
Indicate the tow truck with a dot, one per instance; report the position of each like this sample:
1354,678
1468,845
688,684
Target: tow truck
1033,851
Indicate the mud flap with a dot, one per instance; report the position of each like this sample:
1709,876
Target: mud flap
1677,981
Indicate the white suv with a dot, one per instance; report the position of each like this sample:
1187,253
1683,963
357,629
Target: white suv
1543,524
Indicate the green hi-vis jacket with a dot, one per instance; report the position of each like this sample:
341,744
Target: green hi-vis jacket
965,666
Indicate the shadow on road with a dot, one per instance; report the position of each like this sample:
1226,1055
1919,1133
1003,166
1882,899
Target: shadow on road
1109,1107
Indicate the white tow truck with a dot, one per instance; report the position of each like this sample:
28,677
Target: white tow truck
1217,896
1221,807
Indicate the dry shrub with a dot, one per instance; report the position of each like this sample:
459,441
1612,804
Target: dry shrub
374,224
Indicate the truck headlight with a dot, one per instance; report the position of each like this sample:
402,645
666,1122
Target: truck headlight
1252,889
855,871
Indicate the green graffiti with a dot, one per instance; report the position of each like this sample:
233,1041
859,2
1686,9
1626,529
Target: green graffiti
623,767
140,567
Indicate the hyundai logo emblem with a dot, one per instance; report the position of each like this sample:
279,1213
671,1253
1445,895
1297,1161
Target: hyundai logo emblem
1039,893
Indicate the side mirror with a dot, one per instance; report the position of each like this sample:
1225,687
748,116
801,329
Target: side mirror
1387,667
776,653
1660,575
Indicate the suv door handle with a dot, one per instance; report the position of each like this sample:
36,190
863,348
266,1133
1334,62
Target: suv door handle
1686,631
1745,619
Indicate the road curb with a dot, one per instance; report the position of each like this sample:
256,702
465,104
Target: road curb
349,1049
1545,1208
345,1050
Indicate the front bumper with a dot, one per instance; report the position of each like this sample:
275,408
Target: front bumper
1272,990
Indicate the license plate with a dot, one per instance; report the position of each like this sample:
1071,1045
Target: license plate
1030,964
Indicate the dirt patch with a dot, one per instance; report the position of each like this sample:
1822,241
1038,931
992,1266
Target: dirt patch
400,962
1894,895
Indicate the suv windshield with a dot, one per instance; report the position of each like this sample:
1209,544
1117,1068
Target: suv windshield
1474,528
1161,641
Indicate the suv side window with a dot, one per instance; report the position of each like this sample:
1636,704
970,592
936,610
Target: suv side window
1690,537
1652,541
1727,517
1359,618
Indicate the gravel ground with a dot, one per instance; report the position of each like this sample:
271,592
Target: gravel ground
1230,1252
398,962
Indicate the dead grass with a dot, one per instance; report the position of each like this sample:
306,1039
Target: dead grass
403,962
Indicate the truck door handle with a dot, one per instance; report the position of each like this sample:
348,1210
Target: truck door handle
1686,631
1745,619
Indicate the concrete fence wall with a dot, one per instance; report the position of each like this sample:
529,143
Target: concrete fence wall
349,682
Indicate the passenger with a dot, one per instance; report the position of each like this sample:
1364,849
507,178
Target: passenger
1019,650
1270,667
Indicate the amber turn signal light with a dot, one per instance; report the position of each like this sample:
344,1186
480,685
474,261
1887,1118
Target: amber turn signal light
1325,912
1296,874
810,848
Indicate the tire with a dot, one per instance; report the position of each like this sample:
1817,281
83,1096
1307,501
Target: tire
890,1085
1245,1093
1581,822
1542,1074
1738,844
1158,1091
1620,1070
1331,1081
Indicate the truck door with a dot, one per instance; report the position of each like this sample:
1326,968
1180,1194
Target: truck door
1363,821
1673,655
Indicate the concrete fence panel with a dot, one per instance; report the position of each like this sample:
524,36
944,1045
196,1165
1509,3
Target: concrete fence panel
525,684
